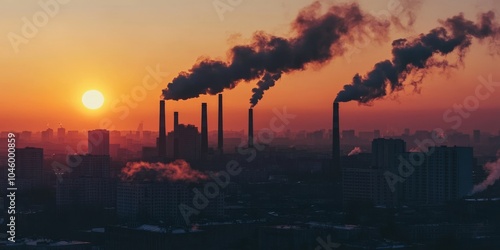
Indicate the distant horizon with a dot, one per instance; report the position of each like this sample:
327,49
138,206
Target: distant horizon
110,54
359,121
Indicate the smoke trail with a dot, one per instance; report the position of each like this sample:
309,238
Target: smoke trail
414,58
267,81
493,170
317,38
178,170
355,151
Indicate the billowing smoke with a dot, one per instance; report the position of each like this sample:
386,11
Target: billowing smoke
319,35
355,151
267,81
413,58
493,170
178,170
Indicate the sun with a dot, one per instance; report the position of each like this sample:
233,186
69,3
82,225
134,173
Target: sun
93,99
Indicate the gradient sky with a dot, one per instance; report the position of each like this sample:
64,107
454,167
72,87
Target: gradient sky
108,45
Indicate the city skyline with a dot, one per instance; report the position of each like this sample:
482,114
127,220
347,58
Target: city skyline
245,125
59,84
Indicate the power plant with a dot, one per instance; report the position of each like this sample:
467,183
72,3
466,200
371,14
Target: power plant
204,131
220,129
250,128
336,139
176,135
162,136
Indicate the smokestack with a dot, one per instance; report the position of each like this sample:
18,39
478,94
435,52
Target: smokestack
162,137
250,128
176,136
176,120
220,131
204,131
336,138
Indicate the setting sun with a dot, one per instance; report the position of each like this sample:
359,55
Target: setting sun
92,99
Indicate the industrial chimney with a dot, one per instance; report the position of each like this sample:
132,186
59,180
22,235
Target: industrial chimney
220,129
176,135
250,128
204,131
162,136
336,139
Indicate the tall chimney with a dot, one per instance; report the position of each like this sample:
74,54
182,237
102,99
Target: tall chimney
176,135
336,139
162,136
220,130
176,120
204,131
250,128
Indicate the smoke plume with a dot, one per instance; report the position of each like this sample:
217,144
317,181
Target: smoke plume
318,36
178,170
355,151
267,81
493,170
414,58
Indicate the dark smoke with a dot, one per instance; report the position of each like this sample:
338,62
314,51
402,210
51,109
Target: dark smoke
267,81
414,58
318,37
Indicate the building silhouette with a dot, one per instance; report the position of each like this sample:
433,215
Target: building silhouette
29,168
98,142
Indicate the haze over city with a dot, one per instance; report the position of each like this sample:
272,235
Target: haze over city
234,124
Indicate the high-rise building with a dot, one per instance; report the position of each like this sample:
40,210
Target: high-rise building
88,184
61,134
161,200
446,175
29,168
98,142
477,136
90,166
47,135
365,179
386,151
187,142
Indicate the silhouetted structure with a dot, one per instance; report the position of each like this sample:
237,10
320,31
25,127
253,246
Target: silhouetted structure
98,142
204,131
61,134
336,140
162,136
220,129
444,175
250,128
176,138
29,168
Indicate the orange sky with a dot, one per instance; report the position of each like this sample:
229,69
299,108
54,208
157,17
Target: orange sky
108,45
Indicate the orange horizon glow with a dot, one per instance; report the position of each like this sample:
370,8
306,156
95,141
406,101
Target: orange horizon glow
125,41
